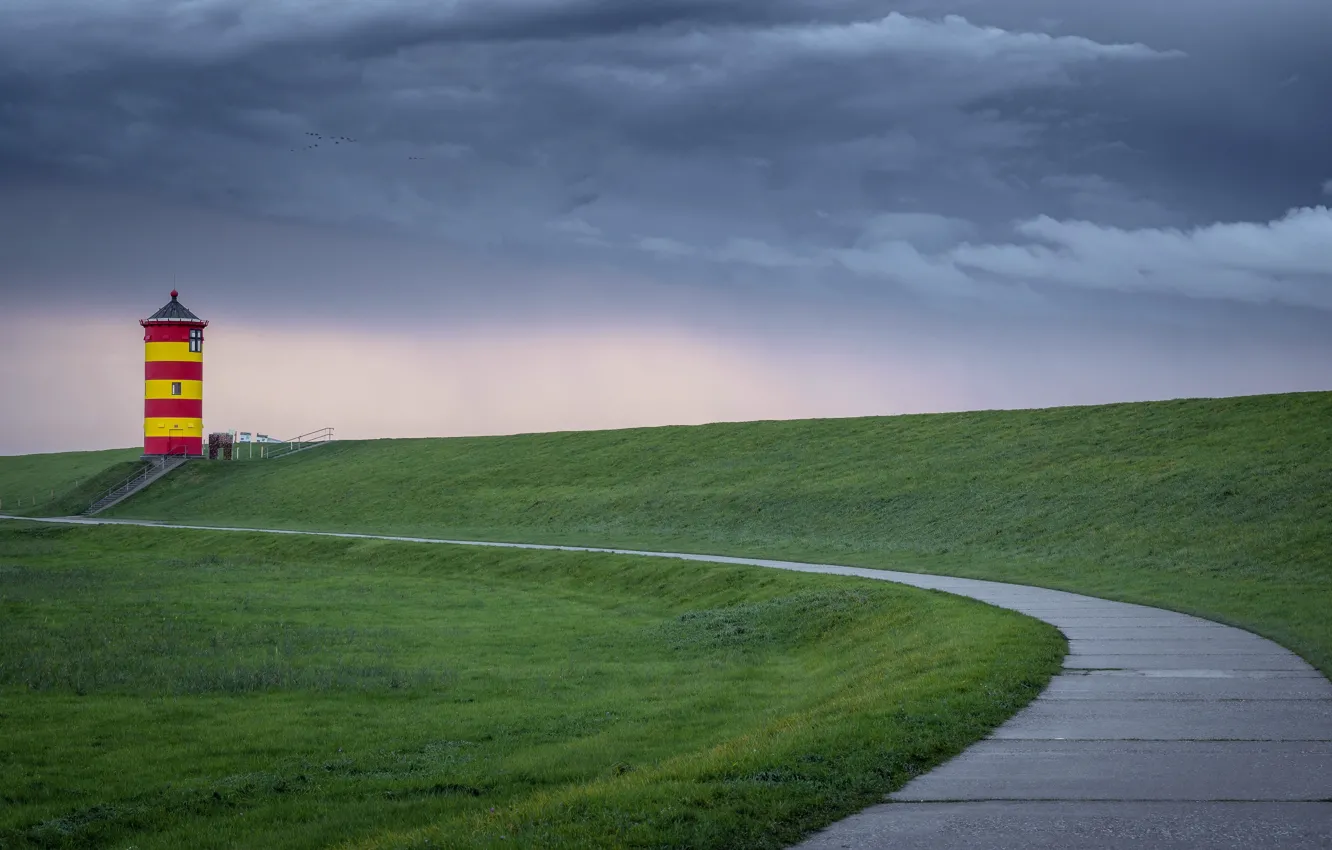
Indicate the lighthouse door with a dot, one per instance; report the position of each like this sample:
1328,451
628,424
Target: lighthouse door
174,439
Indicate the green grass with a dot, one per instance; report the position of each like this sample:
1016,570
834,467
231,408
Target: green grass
164,689
66,483
1221,508
57,483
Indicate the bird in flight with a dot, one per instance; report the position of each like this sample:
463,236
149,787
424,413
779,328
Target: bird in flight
336,140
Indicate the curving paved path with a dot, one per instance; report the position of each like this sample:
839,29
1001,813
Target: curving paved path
1163,731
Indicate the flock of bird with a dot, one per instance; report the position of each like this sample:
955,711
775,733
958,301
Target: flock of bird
337,140
316,139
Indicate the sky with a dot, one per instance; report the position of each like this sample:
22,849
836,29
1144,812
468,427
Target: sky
411,218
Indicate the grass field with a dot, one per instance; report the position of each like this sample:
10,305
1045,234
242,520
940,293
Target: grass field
63,482
66,483
1221,508
166,689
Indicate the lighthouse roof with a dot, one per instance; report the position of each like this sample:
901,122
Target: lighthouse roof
174,311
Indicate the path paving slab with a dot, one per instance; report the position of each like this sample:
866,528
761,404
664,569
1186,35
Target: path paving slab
1118,630
1130,770
1192,661
1210,644
1107,630
1120,685
1082,826
1162,620
1129,719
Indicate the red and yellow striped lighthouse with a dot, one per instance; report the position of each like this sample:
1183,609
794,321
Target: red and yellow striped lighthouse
173,381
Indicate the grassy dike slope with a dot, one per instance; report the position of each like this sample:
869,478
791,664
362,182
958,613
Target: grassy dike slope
61,482
1221,508
165,689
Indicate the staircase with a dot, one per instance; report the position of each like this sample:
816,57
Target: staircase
152,470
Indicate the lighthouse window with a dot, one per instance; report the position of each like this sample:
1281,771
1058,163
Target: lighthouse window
196,339
175,387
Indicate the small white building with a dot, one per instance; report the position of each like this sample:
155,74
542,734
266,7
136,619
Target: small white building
252,437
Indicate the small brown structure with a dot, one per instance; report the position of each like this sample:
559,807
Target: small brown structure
219,443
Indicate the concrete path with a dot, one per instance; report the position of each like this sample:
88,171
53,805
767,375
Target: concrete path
1163,731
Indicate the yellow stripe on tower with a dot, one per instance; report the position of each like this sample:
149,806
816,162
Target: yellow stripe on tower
172,351
173,427
162,389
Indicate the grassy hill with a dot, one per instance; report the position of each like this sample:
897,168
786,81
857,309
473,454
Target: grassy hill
165,689
1217,507
61,482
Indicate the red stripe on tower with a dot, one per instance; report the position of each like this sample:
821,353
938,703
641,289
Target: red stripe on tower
173,408
172,445
172,370
176,331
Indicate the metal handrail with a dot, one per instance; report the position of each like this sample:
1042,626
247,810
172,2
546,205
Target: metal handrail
142,472
320,434
305,441
138,473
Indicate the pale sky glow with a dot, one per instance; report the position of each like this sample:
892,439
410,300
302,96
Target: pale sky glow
496,380
517,215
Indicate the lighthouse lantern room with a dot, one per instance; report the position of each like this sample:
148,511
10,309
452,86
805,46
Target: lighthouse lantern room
173,382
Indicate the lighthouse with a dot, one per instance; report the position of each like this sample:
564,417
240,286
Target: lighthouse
173,381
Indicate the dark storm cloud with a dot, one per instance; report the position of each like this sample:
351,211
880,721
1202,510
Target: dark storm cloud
1002,153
